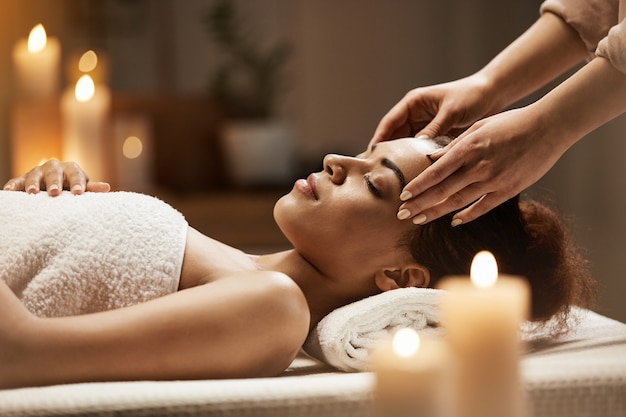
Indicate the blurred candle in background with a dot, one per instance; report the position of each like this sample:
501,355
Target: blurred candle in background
35,134
411,377
96,64
85,116
482,317
35,116
36,64
133,148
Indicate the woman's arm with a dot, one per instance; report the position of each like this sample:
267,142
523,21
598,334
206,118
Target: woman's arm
247,325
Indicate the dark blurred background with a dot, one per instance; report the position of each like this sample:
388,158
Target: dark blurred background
348,62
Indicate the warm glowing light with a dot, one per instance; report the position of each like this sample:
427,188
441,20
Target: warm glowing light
406,342
132,147
85,89
484,270
88,61
37,39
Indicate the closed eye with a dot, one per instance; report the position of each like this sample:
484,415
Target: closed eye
372,188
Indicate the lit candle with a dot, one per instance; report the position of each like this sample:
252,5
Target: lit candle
87,62
85,115
410,376
36,63
35,134
481,317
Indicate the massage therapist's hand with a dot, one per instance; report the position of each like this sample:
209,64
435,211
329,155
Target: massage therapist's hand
55,176
443,109
495,159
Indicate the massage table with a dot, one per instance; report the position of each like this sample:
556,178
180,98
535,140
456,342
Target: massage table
581,374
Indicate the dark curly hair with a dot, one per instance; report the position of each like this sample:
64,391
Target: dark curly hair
528,239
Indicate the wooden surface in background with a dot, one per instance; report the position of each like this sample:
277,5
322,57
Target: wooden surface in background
187,155
240,219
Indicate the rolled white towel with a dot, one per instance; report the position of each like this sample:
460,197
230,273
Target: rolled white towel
346,336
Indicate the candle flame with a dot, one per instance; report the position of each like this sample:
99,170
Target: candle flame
88,61
406,342
484,270
132,147
85,89
37,39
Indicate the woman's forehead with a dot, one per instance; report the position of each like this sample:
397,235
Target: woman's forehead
414,145
410,154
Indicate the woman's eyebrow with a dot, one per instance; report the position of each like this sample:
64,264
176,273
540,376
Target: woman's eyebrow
396,170
392,166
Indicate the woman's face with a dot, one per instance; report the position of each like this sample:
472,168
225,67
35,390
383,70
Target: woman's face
345,215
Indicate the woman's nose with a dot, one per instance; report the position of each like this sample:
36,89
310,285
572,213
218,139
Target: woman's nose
338,167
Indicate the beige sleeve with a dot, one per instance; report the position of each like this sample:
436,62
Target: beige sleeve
613,47
592,19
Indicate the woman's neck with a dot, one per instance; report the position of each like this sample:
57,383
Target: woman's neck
323,293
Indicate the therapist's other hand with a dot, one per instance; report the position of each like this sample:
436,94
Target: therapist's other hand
439,110
54,176
494,160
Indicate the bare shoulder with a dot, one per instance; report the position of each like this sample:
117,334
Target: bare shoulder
276,315
206,260
255,321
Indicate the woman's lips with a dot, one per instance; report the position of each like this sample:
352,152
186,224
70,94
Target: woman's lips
308,186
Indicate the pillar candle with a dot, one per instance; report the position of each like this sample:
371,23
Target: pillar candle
411,377
36,64
35,134
85,116
87,62
481,317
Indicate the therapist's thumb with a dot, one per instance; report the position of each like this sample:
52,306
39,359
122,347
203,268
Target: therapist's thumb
439,126
442,151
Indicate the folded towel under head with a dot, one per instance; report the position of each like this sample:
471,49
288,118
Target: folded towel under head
346,336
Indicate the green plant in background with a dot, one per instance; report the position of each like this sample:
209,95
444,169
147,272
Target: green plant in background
248,82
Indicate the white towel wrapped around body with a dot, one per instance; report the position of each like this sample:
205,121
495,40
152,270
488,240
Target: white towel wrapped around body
70,255
346,336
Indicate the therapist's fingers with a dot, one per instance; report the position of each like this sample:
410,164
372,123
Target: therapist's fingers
434,177
440,125
452,194
410,115
393,125
435,156
482,206
472,199
452,182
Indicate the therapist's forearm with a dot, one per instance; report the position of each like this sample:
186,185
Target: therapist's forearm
591,97
546,50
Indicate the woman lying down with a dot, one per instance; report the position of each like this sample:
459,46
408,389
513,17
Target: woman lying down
117,286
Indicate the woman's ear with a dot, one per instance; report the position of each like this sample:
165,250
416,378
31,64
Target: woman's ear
413,275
